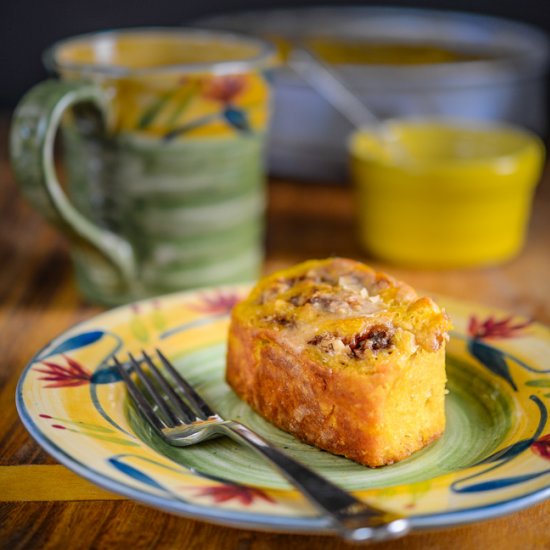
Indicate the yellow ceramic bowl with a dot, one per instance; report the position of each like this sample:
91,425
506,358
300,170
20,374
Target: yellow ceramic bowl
460,196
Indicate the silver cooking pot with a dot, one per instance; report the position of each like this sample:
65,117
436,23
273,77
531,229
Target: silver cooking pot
308,138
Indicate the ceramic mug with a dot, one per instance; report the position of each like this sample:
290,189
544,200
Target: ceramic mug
455,193
163,134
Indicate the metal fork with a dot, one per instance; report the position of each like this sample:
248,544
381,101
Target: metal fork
183,418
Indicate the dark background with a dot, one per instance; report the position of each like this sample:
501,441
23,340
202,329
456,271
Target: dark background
28,27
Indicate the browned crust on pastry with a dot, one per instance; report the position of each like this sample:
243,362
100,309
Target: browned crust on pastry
375,414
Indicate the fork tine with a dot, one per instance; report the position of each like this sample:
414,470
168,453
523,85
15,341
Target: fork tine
170,417
195,400
138,398
182,408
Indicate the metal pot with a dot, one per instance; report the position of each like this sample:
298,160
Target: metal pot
308,138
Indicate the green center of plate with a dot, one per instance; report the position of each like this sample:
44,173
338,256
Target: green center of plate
478,419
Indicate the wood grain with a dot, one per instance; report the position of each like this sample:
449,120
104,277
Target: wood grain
125,524
38,300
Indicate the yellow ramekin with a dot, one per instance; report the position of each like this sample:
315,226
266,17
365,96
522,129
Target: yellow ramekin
460,196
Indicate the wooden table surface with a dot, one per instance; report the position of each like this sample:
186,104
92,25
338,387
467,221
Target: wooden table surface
43,505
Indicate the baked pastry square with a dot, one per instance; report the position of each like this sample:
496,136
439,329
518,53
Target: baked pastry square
343,357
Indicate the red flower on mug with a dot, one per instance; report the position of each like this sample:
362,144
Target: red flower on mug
493,328
223,88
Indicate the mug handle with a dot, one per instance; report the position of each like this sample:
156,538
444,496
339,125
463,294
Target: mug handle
34,126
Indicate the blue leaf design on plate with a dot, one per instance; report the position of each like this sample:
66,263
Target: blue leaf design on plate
136,474
107,375
519,446
110,374
500,483
74,342
493,359
508,452
502,457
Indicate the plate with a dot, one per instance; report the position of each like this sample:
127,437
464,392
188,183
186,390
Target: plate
494,457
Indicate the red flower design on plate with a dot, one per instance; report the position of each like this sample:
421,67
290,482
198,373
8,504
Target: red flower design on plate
493,328
541,446
223,88
245,495
64,376
217,303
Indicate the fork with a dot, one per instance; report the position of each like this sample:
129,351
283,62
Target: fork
183,418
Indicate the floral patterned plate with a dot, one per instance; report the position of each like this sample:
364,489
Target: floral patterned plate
494,457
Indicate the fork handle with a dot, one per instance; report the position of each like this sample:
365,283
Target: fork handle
353,519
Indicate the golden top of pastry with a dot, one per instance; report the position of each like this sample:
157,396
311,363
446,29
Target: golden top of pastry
344,313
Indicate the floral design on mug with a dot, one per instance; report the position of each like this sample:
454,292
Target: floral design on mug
224,89
225,92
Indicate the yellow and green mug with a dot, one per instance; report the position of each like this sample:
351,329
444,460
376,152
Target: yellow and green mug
163,133
445,193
